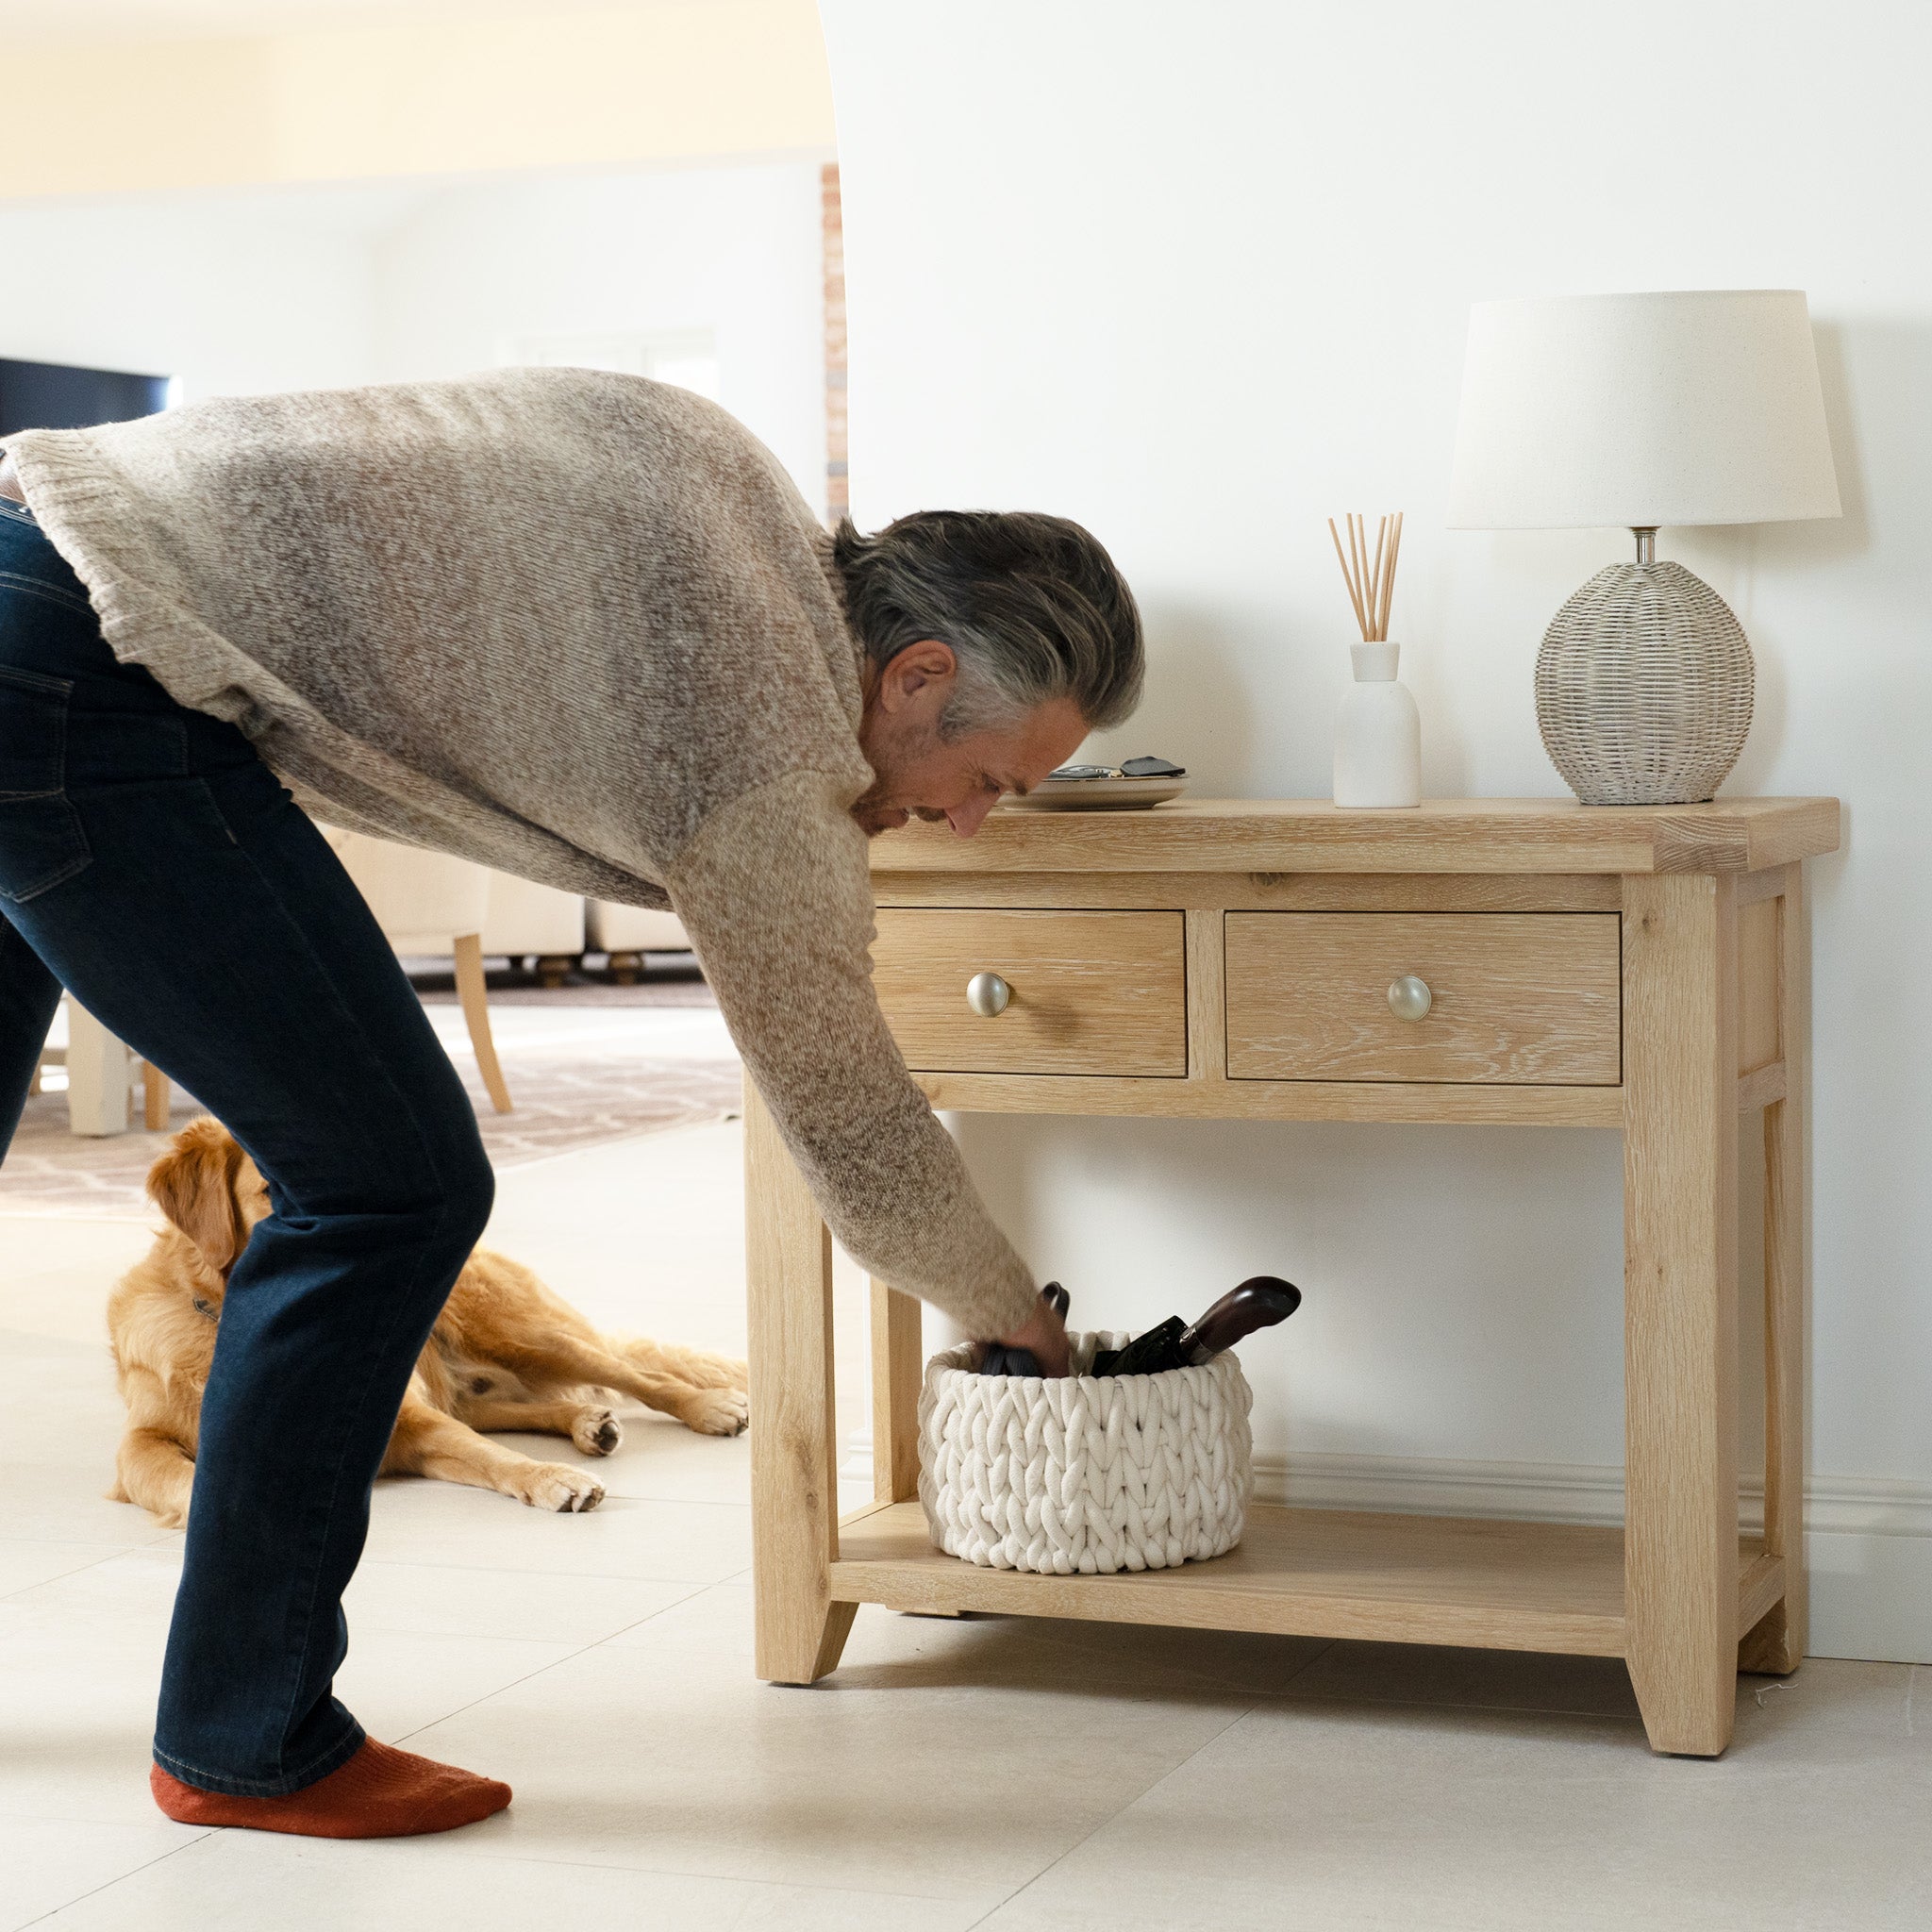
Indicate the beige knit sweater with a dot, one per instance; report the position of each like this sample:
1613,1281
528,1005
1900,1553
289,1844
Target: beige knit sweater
574,625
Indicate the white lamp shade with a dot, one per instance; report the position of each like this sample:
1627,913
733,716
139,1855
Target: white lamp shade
1699,406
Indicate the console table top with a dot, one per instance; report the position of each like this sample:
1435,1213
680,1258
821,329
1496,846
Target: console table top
1442,835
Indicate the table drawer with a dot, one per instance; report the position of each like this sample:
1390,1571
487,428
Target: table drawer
1092,992
1531,999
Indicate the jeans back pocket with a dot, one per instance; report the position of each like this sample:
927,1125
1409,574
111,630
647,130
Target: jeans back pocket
42,839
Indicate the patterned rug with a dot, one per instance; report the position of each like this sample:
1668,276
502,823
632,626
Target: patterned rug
563,1103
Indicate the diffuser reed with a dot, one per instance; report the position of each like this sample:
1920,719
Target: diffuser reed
1370,586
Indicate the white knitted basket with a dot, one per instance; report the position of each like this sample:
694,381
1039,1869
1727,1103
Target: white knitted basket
1092,1474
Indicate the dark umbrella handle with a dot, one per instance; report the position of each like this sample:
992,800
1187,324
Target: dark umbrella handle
1259,1302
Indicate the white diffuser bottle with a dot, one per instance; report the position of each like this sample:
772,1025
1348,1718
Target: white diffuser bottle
1378,734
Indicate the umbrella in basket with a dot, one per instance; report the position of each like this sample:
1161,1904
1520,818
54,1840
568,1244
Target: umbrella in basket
1259,1302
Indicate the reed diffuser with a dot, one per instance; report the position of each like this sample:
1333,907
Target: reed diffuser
1378,751
1369,586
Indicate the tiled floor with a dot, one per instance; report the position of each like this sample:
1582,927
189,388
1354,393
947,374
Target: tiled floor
1002,1773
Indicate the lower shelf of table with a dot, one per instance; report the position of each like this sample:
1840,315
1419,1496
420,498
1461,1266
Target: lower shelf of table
1312,1573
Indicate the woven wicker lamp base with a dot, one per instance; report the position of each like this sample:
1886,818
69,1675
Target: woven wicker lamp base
1643,687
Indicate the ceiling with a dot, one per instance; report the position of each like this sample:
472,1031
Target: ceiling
70,20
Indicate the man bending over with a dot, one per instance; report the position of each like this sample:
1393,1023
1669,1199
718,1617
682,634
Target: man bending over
572,625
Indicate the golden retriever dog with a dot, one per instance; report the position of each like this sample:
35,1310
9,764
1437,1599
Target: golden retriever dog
505,1353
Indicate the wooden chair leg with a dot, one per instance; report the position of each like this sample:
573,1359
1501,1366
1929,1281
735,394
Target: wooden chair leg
155,1092
1680,1307
794,1491
470,990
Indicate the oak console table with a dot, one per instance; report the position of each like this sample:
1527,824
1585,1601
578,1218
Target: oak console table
1525,961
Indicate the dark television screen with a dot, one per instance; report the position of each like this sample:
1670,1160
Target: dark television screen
50,395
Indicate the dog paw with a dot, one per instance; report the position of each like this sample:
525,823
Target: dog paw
550,1486
718,1411
596,1431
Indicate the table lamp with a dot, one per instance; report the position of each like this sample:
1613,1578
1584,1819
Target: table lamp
1699,406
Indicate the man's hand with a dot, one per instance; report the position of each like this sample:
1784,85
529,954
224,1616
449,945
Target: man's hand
1046,1336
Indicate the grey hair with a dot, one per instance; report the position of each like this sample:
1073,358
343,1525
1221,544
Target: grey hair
1031,606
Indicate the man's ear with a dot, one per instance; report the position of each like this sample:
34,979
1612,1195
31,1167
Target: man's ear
193,1185
923,670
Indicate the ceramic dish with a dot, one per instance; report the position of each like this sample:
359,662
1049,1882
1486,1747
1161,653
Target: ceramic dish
1098,794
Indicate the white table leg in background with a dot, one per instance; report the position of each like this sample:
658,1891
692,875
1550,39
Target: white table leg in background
100,1072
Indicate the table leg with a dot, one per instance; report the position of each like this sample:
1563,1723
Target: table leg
794,1478
1680,1286
897,1365
100,1076
1777,1642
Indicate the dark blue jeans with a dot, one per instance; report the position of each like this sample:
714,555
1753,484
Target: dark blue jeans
151,863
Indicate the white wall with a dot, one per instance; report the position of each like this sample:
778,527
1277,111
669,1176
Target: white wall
1199,277
733,250
243,291
234,291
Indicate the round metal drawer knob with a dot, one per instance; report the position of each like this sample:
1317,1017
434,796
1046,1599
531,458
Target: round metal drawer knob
1410,998
988,994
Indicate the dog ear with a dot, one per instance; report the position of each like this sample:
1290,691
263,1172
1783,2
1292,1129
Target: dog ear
193,1185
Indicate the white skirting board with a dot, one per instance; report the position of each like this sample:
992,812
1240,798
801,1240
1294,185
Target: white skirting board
1868,1539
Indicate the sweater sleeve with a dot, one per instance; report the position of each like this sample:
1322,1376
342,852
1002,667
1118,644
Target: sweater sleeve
777,896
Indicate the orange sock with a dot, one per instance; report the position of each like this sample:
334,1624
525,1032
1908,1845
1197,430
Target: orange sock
381,1792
